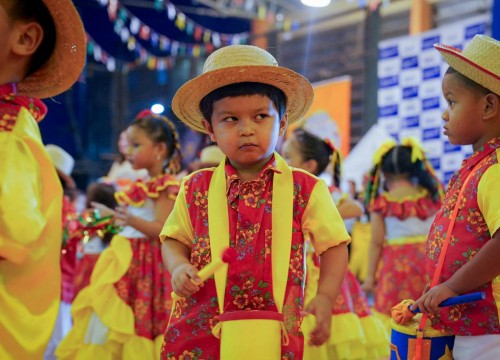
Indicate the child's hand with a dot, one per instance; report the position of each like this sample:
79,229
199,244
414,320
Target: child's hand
368,285
428,303
321,307
184,279
121,216
103,209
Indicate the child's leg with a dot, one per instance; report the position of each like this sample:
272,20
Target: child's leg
483,347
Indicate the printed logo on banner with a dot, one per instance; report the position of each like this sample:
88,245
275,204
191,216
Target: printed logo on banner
410,99
449,147
389,110
472,30
436,163
411,121
431,73
428,42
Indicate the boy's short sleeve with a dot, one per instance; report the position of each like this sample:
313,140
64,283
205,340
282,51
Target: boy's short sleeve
321,221
178,225
488,197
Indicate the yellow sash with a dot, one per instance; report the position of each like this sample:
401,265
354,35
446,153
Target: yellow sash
282,215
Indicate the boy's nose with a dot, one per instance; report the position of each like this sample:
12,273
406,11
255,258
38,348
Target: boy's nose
246,127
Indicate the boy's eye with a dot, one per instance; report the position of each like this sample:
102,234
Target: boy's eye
230,119
262,116
450,102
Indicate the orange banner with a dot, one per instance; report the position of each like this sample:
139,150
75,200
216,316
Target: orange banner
330,113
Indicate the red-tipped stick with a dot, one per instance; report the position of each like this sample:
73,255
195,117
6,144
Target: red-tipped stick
227,257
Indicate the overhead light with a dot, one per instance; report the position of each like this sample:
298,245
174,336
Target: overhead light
158,108
316,3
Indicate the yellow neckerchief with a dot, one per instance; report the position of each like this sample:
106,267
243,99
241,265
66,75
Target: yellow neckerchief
282,215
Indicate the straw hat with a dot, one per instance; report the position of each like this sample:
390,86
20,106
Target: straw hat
235,64
63,162
479,61
65,64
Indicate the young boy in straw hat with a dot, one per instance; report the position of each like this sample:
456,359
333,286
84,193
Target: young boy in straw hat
471,87
257,205
42,54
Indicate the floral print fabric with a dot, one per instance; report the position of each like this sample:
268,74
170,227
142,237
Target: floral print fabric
470,234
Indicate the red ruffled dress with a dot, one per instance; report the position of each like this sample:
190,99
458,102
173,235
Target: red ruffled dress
401,272
125,309
355,332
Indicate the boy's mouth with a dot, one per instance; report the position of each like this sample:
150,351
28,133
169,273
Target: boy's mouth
247,146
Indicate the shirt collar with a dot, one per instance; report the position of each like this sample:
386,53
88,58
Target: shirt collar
481,153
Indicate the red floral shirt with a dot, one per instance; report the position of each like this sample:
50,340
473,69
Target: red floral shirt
470,233
249,282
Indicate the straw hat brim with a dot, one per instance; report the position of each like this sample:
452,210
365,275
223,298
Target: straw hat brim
470,69
298,91
66,63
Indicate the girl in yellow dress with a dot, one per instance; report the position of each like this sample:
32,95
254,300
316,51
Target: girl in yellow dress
355,333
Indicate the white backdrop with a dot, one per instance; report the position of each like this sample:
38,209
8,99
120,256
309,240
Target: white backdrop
410,101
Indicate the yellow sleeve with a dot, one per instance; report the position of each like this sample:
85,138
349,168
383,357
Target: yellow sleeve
27,190
488,197
321,221
178,225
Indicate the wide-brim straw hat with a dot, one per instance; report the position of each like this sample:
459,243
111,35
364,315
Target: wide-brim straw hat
479,61
66,63
236,64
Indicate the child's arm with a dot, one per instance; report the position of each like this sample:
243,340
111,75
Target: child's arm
176,258
333,265
376,245
482,268
152,229
349,208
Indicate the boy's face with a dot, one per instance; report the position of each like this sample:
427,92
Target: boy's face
464,115
247,129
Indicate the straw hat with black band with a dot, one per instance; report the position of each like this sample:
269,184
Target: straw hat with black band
65,64
236,64
479,61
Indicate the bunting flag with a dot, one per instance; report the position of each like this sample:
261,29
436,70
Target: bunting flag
123,18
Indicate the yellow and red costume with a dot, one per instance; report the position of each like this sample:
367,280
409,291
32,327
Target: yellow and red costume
124,310
477,220
250,282
355,332
30,230
407,222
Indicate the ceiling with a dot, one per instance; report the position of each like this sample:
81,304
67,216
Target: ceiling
112,31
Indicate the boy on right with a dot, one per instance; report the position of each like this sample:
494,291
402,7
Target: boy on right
471,87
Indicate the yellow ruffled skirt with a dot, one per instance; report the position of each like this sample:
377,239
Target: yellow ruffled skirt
103,324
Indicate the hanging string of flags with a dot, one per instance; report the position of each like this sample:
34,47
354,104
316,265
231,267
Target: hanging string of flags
144,57
119,14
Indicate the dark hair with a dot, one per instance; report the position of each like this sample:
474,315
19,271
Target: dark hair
104,194
243,89
162,130
35,10
312,147
397,161
468,83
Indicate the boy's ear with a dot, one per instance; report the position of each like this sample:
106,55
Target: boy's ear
283,124
209,129
29,36
492,106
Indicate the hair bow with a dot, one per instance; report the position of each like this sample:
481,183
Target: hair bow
417,153
382,150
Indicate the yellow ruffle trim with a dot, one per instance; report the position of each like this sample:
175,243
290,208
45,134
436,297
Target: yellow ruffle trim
139,191
351,338
100,298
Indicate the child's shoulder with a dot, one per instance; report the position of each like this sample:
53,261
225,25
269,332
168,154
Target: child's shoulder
199,177
305,179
